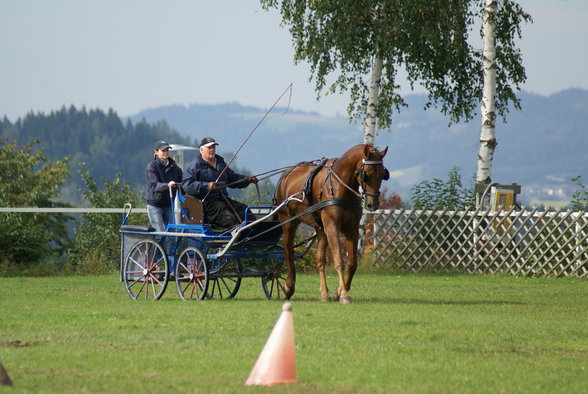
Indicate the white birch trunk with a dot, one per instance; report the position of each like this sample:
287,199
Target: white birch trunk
488,133
369,130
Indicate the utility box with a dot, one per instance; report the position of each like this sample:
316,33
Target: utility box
497,197
502,199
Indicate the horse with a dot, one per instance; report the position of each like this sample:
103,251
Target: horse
326,196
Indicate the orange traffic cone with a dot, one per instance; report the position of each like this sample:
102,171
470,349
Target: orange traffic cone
4,379
277,362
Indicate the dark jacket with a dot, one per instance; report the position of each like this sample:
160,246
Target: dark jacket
200,173
158,176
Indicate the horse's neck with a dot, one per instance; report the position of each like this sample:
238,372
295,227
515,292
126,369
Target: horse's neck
344,167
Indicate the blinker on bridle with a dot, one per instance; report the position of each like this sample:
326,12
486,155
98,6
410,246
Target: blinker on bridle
362,176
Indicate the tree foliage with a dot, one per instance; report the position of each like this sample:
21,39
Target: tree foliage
30,180
580,195
97,237
437,193
429,40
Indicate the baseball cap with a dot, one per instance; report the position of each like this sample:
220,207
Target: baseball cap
161,145
208,141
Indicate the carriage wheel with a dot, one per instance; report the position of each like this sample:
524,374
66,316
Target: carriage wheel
225,278
191,274
146,271
273,279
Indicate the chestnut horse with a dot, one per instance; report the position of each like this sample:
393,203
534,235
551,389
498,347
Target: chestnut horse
326,196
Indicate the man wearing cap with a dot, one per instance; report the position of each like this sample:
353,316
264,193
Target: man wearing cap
162,173
207,177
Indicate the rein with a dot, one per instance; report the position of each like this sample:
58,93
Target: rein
307,211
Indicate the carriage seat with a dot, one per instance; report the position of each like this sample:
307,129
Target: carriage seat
132,227
192,211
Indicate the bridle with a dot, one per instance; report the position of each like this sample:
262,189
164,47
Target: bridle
360,172
362,176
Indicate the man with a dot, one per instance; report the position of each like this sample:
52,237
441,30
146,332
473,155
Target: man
207,178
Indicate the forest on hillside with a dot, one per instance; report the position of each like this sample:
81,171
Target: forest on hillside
97,140
101,142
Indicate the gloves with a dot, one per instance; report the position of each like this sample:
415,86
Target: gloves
216,185
252,179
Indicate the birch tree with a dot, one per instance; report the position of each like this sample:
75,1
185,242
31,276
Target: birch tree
496,26
488,110
359,46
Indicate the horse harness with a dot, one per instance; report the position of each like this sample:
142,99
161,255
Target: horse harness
336,201
359,172
307,191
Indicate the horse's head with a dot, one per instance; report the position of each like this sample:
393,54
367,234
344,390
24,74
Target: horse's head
370,173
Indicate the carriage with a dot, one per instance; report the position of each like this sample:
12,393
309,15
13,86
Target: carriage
204,264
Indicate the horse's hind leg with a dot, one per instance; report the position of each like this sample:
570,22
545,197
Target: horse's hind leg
289,230
321,258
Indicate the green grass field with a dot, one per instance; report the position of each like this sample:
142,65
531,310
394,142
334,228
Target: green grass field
403,334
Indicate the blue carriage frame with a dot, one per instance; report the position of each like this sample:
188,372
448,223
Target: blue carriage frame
205,264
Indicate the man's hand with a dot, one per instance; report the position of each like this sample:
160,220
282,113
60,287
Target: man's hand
215,185
252,179
171,184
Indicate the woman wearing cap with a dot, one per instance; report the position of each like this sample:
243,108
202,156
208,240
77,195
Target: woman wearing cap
161,174
206,177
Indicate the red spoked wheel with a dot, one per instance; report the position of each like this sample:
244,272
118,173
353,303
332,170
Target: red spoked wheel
146,271
192,274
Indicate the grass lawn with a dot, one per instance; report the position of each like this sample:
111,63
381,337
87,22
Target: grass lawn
450,333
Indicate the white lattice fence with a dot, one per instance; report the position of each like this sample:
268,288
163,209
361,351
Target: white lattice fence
517,242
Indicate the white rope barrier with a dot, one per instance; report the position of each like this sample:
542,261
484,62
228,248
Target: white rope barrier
68,210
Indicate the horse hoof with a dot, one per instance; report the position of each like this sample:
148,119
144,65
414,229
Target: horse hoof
288,293
336,295
345,300
326,299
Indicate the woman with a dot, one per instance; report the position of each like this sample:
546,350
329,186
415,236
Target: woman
161,174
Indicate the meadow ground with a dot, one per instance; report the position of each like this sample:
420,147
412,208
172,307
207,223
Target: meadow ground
404,333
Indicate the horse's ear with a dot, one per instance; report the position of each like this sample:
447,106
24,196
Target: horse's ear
383,153
366,151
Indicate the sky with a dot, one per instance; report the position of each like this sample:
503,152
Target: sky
133,55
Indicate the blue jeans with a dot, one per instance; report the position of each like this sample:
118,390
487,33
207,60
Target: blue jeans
159,217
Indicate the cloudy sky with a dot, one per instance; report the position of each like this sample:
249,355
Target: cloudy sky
136,54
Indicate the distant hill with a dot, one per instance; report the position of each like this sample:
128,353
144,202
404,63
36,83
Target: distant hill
541,147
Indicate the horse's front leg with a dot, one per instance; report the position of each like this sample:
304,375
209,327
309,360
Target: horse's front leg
335,247
321,258
351,247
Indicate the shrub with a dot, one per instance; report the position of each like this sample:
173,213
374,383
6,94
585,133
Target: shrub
443,194
97,237
30,180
